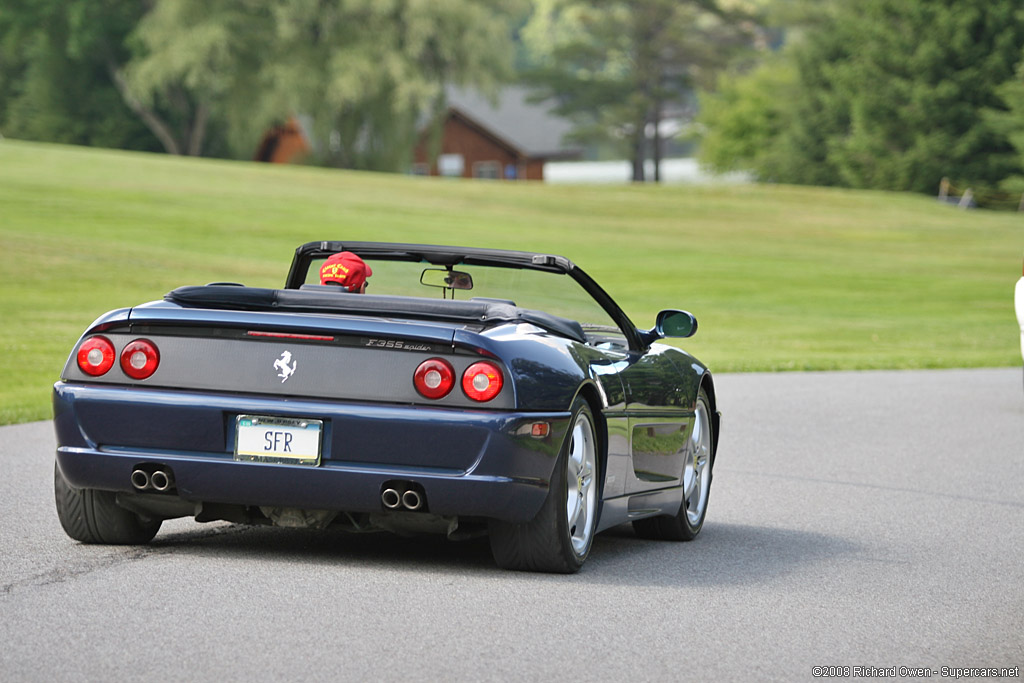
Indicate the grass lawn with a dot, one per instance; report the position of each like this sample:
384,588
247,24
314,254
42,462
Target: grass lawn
780,278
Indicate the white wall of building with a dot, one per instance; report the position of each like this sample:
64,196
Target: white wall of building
672,171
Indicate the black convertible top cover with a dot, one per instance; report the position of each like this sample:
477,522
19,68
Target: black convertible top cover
318,301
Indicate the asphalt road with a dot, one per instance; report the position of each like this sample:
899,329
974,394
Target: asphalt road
857,520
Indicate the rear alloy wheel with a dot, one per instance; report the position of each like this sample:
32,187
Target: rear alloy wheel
696,484
559,538
92,516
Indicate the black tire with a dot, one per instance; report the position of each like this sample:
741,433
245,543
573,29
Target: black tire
92,516
550,542
685,525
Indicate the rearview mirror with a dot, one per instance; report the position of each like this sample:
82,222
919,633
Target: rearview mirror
446,279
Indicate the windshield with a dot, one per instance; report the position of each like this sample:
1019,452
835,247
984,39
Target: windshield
555,293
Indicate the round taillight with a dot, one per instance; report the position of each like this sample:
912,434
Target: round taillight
482,381
96,356
139,359
434,378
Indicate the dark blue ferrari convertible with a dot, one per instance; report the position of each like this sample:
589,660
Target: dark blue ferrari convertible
458,391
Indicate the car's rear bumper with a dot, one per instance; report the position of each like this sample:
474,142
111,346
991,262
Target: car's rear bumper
468,463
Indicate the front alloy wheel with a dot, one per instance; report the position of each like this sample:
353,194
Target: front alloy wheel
697,474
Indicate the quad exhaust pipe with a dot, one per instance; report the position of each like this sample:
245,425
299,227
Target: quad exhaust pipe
161,479
402,496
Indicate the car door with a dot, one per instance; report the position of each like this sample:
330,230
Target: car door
659,418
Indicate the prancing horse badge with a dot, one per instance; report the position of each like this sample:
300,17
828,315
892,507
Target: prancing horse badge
282,364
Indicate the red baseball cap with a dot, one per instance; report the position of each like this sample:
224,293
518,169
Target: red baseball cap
347,269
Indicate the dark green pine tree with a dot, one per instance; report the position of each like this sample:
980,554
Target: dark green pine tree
897,89
1009,121
882,94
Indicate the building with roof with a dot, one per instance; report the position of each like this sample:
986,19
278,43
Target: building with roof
510,138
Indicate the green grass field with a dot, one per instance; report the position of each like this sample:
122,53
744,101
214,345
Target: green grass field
781,278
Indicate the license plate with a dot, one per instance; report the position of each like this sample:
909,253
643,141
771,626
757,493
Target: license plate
279,440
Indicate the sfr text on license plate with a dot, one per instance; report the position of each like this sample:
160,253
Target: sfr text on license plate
277,440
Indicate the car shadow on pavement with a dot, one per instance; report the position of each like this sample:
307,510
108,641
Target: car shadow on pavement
723,554
328,546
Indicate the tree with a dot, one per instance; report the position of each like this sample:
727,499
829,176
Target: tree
613,67
918,83
743,120
192,61
107,71
364,72
1009,122
775,119
892,94
56,58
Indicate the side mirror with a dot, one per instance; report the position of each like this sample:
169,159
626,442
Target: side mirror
676,324
670,323
447,279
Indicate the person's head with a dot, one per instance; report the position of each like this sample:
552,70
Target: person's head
347,270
